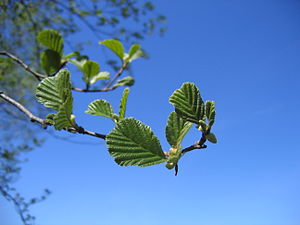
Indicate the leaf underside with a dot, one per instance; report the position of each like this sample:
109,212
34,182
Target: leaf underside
50,61
100,107
115,46
133,143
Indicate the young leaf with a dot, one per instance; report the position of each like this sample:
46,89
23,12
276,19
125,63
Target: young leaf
134,52
210,112
63,117
51,39
211,137
100,107
132,143
115,46
78,63
90,69
50,61
126,81
54,91
176,129
188,103
123,103
100,76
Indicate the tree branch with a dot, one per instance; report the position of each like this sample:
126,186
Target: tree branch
25,66
198,145
43,122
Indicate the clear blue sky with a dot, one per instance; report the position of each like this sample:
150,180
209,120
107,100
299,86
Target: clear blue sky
244,55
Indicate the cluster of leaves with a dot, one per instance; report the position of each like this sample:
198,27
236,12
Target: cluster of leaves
20,22
131,142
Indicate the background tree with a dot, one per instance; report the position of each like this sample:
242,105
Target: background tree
20,22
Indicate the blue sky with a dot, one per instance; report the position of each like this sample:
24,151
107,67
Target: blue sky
242,54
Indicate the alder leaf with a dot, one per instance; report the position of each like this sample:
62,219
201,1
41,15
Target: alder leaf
63,117
51,39
210,112
126,81
52,92
115,46
90,69
50,61
101,107
123,103
100,76
176,129
132,143
135,52
188,103
211,137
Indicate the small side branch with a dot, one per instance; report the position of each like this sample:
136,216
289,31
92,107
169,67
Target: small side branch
198,145
43,122
119,73
37,75
97,90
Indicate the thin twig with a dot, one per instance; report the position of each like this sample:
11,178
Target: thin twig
9,197
25,66
119,73
198,145
43,122
97,90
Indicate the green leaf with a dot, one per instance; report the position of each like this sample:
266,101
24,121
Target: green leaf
126,81
72,55
51,39
211,137
115,46
100,76
134,52
188,103
63,117
54,91
78,63
210,112
50,118
176,129
133,143
123,103
50,61
90,69
100,107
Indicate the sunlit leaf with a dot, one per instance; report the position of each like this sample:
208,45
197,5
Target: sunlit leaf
188,103
133,143
54,91
126,81
210,112
123,103
63,117
135,52
100,107
90,69
100,76
115,46
176,129
51,39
